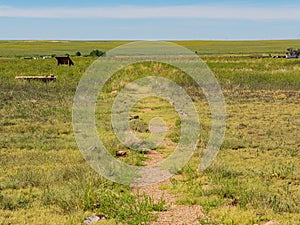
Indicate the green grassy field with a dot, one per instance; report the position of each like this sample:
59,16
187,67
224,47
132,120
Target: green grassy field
255,178
31,48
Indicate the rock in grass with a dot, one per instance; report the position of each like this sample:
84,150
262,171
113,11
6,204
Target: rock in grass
114,92
272,222
134,117
94,219
121,153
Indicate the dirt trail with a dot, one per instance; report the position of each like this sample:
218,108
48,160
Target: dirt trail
176,214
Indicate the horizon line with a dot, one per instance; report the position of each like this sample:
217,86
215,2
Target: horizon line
163,40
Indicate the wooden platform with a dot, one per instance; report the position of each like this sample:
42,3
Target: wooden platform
40,78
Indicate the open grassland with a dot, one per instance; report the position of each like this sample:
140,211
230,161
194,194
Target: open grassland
255,178
31,48
240,47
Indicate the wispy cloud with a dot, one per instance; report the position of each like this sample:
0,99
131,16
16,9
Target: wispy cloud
138,12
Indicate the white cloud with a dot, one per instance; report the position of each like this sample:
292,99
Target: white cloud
138,12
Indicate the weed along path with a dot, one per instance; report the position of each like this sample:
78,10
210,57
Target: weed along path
174,213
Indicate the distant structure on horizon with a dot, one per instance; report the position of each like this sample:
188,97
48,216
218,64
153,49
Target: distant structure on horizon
64,60
292,53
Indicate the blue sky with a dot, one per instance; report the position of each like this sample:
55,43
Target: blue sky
149,20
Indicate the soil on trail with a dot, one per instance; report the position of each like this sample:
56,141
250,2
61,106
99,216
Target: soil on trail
176,214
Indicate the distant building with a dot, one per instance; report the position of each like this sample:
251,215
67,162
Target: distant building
47,57
64,60
292,53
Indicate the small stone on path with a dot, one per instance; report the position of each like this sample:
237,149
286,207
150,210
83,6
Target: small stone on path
94,219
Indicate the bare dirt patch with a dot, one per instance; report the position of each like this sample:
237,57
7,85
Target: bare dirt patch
176,214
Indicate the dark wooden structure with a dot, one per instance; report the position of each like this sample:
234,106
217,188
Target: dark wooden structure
40,78
64,60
